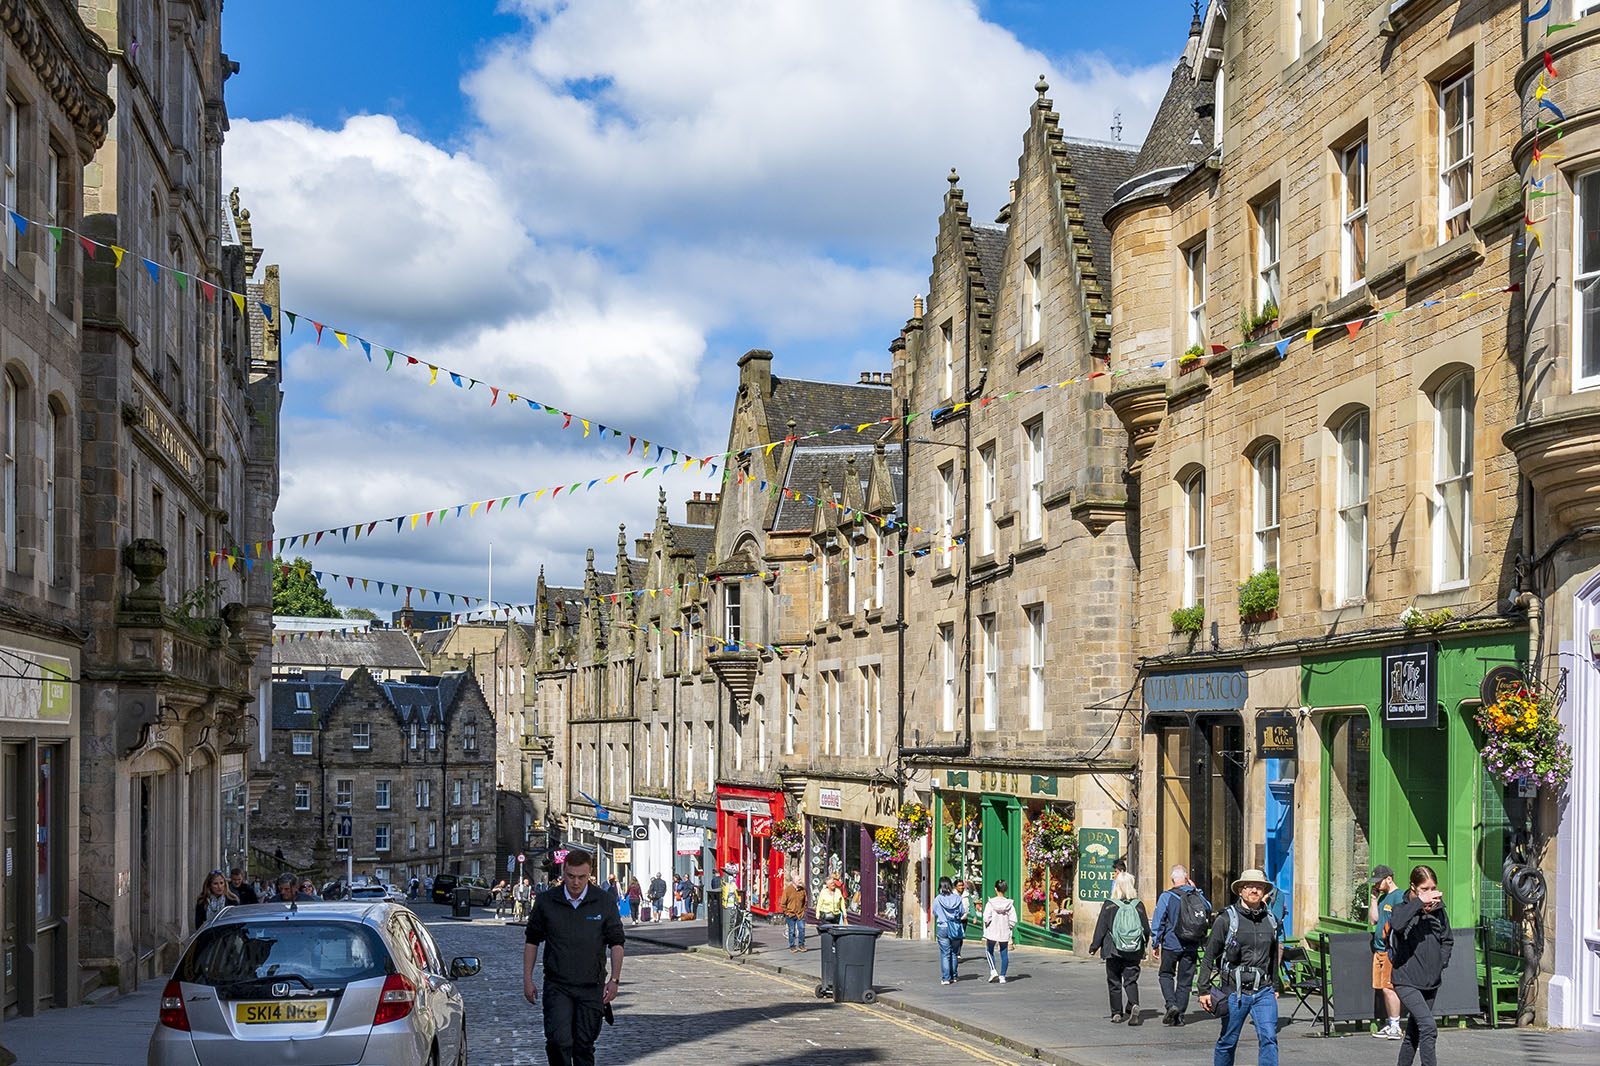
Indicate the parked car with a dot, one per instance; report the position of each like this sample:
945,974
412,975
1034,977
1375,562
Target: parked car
353,982
369,892
444,889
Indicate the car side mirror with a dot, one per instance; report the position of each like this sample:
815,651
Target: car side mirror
464,966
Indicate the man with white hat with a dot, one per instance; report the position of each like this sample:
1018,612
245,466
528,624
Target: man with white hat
1242,961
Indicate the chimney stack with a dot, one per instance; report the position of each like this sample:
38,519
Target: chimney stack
1013,191
702,510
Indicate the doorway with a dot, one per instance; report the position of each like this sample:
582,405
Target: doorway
11,834
1200,811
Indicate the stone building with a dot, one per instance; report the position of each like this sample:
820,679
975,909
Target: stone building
182,418
1326,218
410,763
56,114
1555,436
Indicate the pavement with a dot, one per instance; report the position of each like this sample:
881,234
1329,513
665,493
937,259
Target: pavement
1054,1008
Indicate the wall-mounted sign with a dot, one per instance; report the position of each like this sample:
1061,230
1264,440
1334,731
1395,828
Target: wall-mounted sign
761,825
736,805
1098,851
1410,686
41,689
168,438
690,841
703,817
661,812
1275,736
1002,782
830,799
1499,682
1203,690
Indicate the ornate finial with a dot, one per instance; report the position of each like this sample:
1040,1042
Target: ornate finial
241,223
622,539
789,425
1116,125
661,504
588,557
1041,86
953,178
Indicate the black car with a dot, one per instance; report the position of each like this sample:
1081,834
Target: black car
444,889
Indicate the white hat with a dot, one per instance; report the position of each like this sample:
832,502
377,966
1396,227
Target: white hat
1253,877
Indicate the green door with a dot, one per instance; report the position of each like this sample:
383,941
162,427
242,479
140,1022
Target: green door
1418,805
1002,845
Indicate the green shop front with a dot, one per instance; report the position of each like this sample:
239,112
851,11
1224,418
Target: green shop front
1402,782
1019,827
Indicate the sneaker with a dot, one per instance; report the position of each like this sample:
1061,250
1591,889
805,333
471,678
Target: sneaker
1394,1034
1118,1019
942,981
1135,1018
1002,978
993,977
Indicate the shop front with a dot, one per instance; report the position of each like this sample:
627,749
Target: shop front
694,842
745,817
610,841
1021,828
653,846
841,820
1402,781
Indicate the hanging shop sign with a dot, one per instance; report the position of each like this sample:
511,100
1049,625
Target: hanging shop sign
761,825
691,841
1410,686
1098,851
1499,682
1202,690
1275,736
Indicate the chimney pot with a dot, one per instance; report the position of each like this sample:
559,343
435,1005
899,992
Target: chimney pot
1013,190
916,307
866,377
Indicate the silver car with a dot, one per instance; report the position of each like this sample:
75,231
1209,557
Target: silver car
356,983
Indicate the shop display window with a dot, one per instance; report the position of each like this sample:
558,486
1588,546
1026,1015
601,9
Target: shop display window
962,827
891,885
1050,855
836,852
1348,821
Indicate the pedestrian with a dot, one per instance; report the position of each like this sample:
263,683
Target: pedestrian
215,894
971,905
1120,938
241,889
795,901
1385,895
578,923
521,896
999,919
677,896
611,887
658,896
635,898
1182,922
950,926
830,904
427,888
412,888
1242,960
288,889
686,899
1419,947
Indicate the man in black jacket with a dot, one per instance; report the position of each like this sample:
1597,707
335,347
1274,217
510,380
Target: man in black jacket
578,922
1242,961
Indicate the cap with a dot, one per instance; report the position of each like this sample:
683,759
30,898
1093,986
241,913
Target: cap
1379,873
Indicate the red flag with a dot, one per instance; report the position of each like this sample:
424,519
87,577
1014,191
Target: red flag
352,581
210,290
1517,287
411,360
1218,349
556,492
427,519
88,245
314,322
568,422
496,395
629,474
489,508
1551,67
370,527
631,442
1354,327
319,537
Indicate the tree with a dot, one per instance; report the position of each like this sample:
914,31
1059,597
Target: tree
296,592
359,612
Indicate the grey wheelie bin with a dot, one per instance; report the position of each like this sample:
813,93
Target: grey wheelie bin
854,947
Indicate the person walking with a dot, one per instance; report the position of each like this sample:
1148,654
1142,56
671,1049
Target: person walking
830,904
658,897
950,926
686,898
215,895
1243,957
521,897
1182,922
289,890
971,904
635,898
999,919
1385,895
677,896
578,924
795,901
242,889
1419,946
413,887
1120,938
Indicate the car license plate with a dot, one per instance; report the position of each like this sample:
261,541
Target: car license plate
281,1012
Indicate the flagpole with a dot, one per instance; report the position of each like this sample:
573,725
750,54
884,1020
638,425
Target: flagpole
491,572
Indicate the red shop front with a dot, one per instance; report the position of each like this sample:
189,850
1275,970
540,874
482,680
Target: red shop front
745,817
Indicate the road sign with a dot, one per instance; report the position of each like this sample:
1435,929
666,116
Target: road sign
345,825
511,864
521,857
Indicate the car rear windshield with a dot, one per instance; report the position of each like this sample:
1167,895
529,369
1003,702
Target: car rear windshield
311,954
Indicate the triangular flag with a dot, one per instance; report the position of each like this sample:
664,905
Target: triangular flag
183,281
266,310
366,346
319,328
1311,334
496,395
210,291
22,225
390,354
1355,327
55,235
88,246
155,271
455,378
291,317
118,252
1283,347
433,378
343,339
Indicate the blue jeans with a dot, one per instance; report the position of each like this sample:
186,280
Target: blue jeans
1261,1007
797,931
1000,948
947,958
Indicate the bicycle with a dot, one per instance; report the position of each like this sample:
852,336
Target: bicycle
743,934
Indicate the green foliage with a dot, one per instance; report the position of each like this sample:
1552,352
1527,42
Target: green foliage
359,612
1189,619
1259,594
1412,618
191,610
296,592
1194,352
1249,324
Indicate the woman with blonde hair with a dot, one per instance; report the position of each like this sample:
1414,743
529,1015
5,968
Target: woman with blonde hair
1120,937
215,894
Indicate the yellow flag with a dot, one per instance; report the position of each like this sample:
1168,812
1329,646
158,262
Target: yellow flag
118,253
472,510
363,584
434,377
612,478
541,492
344,339
414,520
231,562
1311,334
585,422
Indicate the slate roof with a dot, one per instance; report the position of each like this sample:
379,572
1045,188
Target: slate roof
806,467
991,244
433,640
423,697
1099,167
822,405
698,540
376,649
285,713
1170,142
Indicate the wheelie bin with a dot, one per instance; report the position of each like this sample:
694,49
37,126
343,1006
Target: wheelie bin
854,949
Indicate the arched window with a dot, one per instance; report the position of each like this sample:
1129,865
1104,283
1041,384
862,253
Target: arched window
1354,459
1452,481
1194,539
1266,488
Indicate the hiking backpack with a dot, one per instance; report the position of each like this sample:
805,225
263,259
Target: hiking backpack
1231,950
1127,931
1193,923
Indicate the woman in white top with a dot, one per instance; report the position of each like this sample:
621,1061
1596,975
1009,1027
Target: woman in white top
999,919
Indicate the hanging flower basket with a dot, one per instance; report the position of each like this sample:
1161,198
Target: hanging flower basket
1523,738
889,844
1051,840
787,837
914,819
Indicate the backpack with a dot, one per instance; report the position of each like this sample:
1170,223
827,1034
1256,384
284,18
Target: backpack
1127,931
951,927
1231,949
1193,923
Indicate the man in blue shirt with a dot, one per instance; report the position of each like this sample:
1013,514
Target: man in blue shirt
1177,954
1385,894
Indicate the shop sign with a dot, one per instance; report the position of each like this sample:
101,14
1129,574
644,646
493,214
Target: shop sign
642,809
761,825
744,806
624,855
1003,783
1203,690
1275,736
691,841
701,816
1098,851
830,799
1500,682
1410,684
42,693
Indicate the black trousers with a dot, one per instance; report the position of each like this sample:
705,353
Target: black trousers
1177,976
1122,981
572,1017
1421,1031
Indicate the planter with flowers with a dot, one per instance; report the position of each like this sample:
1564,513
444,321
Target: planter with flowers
1523,739
915,820
1190,360
889,844
1050,849
787,836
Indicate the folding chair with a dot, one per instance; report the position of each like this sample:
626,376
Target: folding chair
1305,978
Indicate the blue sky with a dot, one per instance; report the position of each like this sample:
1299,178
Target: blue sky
557,198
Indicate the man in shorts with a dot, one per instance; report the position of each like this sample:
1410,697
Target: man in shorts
1385,894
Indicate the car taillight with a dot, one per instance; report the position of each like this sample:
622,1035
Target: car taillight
173,1014
396,1000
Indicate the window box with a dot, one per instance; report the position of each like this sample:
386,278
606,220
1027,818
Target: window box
1191,360
1258,597
1189,620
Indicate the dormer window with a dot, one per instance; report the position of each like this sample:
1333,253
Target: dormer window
302,701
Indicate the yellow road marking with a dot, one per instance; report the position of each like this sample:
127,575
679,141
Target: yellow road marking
912,1027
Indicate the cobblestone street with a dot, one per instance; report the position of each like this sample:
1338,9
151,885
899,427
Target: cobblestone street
678,1008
